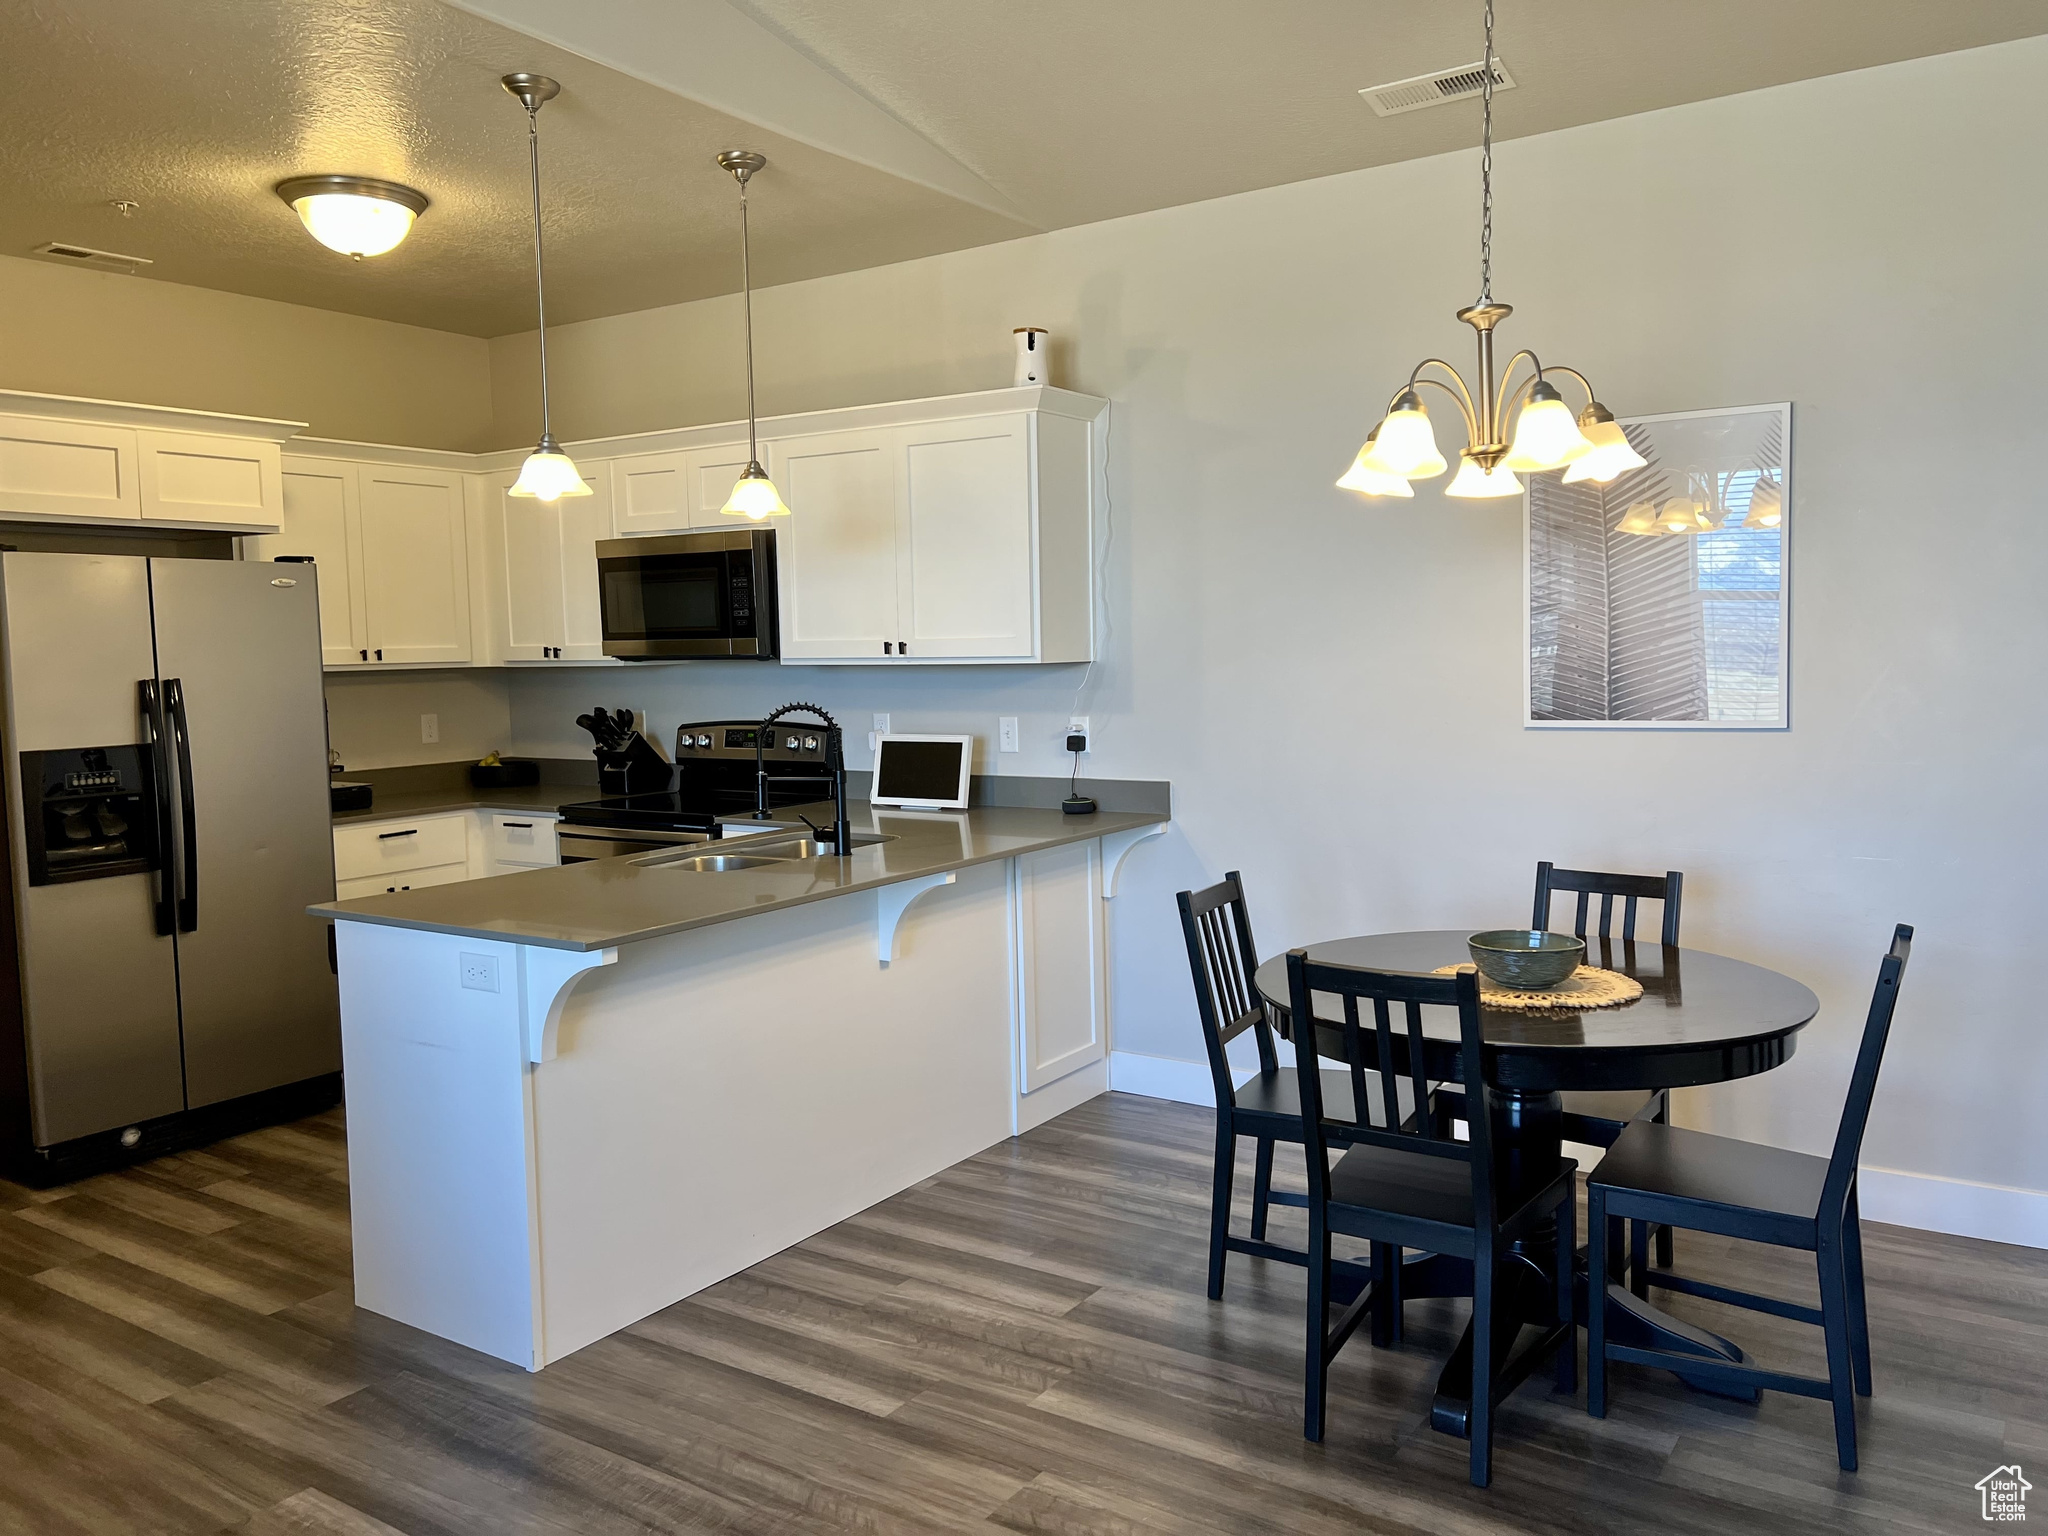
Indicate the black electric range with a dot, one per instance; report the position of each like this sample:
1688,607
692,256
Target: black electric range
716,776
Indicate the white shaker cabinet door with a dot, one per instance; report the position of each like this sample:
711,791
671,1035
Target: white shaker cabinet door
1062,1012
67,469
224,482
585,520
319,521
966,582
532,574
836,552
415,565
668,492
709,474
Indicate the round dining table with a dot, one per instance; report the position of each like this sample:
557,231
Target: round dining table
1703,1018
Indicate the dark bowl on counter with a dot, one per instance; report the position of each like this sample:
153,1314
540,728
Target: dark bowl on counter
512,773
1527,959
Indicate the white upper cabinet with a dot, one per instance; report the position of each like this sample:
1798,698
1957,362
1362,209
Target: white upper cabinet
218,482
964,582
668,492
105,461
547,570
836,555
67,469
321,524
415,564
965,538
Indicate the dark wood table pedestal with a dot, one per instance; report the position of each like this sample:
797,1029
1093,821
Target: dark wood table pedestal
1726,1020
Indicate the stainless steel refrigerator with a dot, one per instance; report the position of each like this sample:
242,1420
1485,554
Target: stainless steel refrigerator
167,827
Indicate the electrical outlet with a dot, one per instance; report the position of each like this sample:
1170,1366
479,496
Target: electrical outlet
1078,726
430,728
875,736
1006,733
479,972
882,725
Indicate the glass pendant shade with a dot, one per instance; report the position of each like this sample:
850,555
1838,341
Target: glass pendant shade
1406,443
1476,483
1766,506
356,215
548,475
754,496
1546,436
1368,479
1639,518
1611,454
1683,514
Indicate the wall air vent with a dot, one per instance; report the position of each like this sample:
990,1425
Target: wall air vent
86,256
1400,96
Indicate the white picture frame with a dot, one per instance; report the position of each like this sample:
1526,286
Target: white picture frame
957,801
1665,631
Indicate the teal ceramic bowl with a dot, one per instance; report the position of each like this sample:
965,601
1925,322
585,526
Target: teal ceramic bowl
1525,958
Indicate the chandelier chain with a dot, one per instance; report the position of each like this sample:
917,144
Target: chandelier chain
1486,165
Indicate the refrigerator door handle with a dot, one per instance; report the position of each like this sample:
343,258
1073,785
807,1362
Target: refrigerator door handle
160,772
188,811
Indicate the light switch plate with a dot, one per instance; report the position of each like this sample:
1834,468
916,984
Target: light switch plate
430,728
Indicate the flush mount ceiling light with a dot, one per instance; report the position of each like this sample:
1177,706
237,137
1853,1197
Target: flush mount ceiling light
356,215
753,495
1529,428
548,473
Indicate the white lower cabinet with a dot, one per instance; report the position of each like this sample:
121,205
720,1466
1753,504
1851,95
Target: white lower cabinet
1062,985
409,853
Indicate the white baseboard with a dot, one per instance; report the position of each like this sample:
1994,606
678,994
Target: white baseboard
1990,1211
1994,1212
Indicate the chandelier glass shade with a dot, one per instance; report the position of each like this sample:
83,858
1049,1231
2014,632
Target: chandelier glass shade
1366,476
548,473
753,495
1515,421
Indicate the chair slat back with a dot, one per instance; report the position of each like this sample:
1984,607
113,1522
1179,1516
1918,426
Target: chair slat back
1877,1028
1221,962
1589,883
1366,1039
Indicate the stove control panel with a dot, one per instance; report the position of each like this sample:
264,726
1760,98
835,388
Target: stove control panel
730,740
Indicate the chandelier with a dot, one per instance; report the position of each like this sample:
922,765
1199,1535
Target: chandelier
1528,428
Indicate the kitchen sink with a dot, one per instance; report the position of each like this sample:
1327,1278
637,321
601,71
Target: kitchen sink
714,863
811,848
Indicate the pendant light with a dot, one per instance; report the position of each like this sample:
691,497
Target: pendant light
356,215
1545,435
548,473
753,495
1364,476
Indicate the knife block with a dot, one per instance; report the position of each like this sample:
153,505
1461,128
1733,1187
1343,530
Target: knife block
638,769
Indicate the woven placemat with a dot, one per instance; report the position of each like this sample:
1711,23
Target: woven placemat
1587,987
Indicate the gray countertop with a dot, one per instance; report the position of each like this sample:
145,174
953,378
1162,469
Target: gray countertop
426,802
607,902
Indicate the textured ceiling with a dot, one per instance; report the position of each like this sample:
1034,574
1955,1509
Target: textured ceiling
196,109
1018,116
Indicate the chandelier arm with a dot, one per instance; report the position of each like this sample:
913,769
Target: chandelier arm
1503,402
1464,410
1584,382
1461,394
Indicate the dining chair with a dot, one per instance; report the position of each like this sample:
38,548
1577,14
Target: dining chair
1765,1195
1222,959
1596,1116
1402,1182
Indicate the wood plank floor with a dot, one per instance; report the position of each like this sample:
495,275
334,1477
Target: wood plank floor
1021,1343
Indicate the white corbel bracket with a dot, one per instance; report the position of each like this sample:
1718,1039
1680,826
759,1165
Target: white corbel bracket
1116,847
545,979
891,901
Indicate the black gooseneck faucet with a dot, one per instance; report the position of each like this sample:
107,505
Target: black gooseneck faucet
840,835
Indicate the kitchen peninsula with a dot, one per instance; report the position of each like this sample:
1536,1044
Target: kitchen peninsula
578,1094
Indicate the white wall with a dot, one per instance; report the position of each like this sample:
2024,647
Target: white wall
1333,686
109,336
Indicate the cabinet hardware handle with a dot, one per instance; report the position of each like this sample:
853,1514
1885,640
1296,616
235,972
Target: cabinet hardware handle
523,826
903,648
364,654
887,649
380,653
383,837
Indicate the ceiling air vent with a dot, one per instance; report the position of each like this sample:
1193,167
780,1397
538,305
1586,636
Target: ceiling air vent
1400,96
86,256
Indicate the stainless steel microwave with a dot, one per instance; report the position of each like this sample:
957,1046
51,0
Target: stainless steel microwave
689,594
